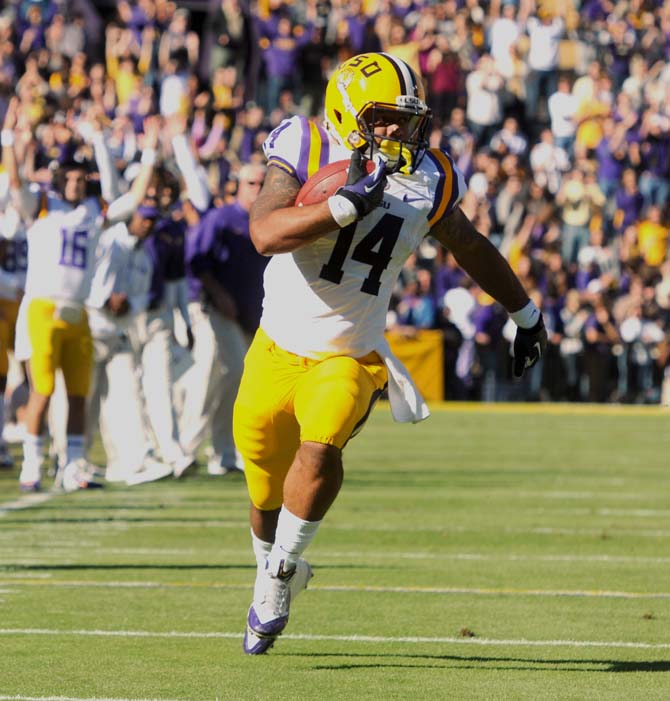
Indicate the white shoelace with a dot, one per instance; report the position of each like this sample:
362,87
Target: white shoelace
277,596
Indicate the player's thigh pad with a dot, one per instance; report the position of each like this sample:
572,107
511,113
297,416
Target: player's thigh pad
46,336
334,398
77,358
265,430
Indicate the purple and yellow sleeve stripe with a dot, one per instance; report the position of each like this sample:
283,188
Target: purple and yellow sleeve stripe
446,190
280,162
314,150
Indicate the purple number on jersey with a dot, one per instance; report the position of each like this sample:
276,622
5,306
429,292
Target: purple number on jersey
73,248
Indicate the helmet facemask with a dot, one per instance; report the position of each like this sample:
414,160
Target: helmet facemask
405,147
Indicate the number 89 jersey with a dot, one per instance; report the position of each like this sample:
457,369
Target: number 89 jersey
331,296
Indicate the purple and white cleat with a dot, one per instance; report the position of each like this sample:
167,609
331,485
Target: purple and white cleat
268,614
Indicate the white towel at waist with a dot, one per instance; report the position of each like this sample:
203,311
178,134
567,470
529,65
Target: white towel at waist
406,401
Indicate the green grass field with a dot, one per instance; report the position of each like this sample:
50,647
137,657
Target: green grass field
490,552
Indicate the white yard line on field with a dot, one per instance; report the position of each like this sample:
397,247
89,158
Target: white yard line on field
123,525
522,642
24,502
467,591
70,698
367,555
502,557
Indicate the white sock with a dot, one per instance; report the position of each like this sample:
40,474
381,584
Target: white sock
261,550
75,448
291,539
33,451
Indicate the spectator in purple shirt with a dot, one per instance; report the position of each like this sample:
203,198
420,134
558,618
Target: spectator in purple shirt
611,155
33,37
281,54
358,25
655,154
448,274
488,318
629,201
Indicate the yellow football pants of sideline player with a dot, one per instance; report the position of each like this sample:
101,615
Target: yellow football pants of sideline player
285,400
56,343
9,310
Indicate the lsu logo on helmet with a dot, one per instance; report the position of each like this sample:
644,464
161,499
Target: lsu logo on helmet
377,89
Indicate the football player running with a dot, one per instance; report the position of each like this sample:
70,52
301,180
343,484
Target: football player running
62,244
319,360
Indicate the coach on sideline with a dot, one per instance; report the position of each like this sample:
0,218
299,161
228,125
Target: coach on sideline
225,277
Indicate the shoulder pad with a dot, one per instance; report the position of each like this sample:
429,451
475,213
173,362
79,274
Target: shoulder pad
298,146
449,183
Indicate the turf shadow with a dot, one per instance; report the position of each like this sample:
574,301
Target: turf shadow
518,663
8,567
114,519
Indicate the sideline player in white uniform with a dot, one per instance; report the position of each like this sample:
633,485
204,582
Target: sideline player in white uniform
119,292
13,262
320,360
61,260
153,333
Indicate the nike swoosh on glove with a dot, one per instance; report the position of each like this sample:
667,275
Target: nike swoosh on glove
529,347
365,191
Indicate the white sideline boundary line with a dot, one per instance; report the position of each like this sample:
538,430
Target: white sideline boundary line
467,591
521,642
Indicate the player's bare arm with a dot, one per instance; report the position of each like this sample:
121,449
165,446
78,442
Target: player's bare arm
480,259
123,207
24,200
277,225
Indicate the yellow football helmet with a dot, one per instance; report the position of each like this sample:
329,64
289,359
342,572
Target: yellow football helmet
377,89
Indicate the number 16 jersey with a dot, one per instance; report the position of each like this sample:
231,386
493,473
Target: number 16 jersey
331,296
61,250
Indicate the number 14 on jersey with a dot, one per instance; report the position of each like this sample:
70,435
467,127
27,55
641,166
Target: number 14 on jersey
375,249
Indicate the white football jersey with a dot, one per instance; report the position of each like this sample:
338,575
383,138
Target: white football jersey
124,267
13,260
62,249
13,263
331,296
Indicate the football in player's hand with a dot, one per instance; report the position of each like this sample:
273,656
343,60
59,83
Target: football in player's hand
326,181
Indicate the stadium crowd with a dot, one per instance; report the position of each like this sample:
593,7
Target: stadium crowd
558,113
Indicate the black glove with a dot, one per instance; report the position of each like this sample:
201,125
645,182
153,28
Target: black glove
529,346
365,191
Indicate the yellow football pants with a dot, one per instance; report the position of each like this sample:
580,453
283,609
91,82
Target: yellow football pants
9,310
285,400
57,343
